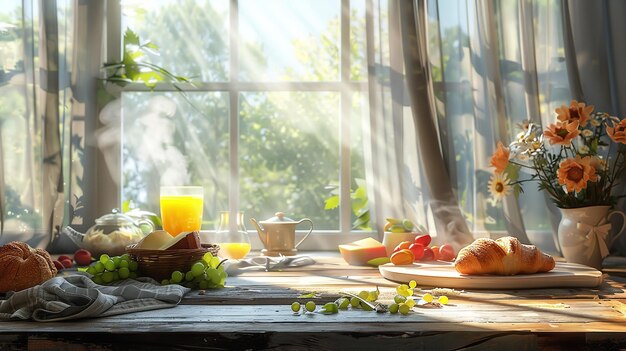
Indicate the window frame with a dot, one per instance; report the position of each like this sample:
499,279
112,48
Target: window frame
320,239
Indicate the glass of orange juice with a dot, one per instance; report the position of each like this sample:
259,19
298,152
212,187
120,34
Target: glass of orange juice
181,208
232,236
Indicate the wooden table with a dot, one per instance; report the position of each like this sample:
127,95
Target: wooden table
253,312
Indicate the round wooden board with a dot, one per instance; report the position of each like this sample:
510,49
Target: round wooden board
443,275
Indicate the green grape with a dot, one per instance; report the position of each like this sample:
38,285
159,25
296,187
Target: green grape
214,262
116,261
295,307
404,309
91,270
355,302
98,279
110,265
427,297
223,276
124,272
203,284
165,282
399,299
99,266
443,300
366,307
189,276
213,275
372,296
197,269
412,284
133,265
124,264
410,303
132,275
207,257
202,276
330,307
393,308
363,294
125,257
116,276
310,306
342,303
177,277
104,258
107,277
220,268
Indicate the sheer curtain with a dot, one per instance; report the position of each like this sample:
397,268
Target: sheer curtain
49,64
481,70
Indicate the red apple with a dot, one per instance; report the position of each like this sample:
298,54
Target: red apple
82,257
64,257
66,263
58,265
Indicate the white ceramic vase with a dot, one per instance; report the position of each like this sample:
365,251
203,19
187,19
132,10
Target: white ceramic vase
584,234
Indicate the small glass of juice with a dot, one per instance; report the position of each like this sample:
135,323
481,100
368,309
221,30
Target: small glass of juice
232,236
181,208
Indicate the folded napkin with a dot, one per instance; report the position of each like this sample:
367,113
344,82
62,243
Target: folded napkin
77,296
267,263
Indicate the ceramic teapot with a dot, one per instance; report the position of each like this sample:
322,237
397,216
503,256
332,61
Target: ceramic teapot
278,234
111,234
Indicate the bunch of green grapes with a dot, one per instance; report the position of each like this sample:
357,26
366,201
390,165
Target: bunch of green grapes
111,269
208,273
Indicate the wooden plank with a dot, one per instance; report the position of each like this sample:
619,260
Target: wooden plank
514,315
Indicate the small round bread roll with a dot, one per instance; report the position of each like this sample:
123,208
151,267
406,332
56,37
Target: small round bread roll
22,267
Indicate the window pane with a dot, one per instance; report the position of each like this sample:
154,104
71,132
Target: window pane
289,154
175,139
192,35
284,40
358,59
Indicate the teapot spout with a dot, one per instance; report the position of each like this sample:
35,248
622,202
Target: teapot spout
74,235
259,230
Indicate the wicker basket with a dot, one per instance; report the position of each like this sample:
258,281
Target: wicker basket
159,264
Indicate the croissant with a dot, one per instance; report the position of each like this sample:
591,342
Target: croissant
22,267
505,256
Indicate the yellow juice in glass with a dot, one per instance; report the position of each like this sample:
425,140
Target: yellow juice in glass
181,213
235,251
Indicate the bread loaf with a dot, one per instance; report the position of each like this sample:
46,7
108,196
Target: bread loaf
22,267
505,256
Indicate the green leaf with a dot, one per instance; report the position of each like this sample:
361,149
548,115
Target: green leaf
130,38
332,202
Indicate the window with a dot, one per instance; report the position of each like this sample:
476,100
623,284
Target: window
274,119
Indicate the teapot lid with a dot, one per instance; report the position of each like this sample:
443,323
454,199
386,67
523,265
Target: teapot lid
279,218
115,218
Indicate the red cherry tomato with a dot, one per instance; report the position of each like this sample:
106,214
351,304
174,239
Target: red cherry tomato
401,246
429,255
446,252
67,263
64,257
423,239
417,250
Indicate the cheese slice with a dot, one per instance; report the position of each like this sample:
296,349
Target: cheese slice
154,240
361,251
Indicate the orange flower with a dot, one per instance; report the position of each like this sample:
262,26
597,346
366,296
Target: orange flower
500,158
617,132
562,133
577,111
574,173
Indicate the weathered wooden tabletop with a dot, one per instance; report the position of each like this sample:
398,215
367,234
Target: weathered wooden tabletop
253,312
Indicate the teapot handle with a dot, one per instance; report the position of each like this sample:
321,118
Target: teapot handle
307,234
